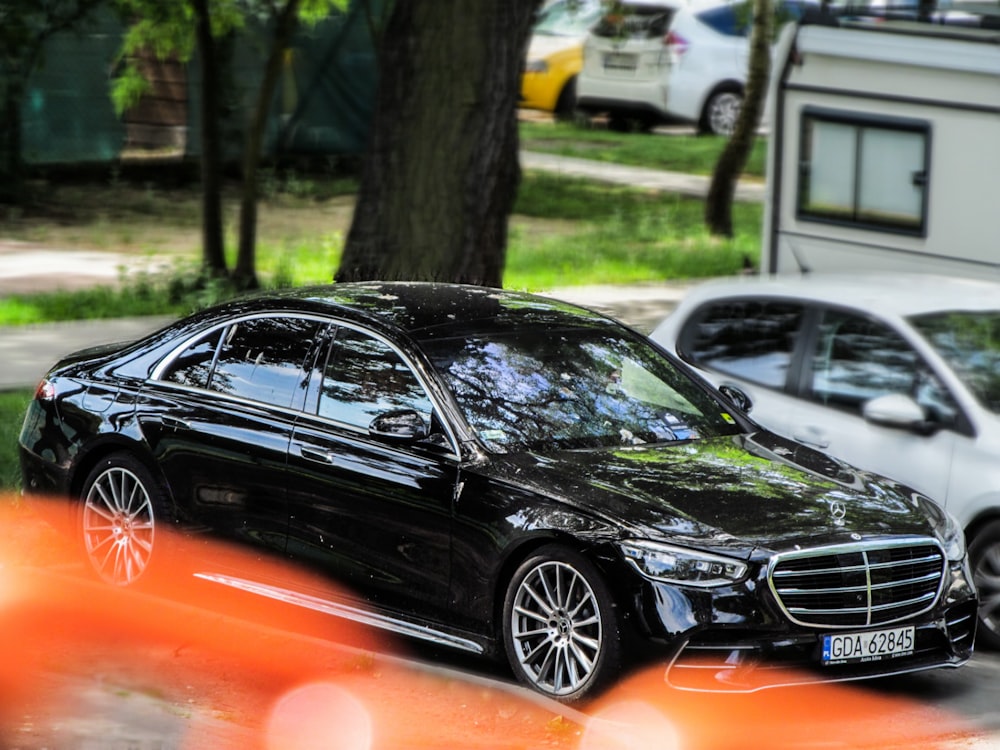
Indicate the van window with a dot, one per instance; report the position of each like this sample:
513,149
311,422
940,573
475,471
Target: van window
868,172
640,21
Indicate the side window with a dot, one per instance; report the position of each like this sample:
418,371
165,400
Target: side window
365,377
262,359
872,173
750,339
730,20
193,366
857,359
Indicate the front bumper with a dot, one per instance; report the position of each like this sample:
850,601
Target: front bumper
738,639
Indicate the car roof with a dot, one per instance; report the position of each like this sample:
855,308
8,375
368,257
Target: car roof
899,294
428,309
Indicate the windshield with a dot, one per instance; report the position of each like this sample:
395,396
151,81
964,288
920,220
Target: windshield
570,18
546,389
970,343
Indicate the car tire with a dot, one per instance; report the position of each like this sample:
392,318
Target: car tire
561,626
721,112
121,506
565,110
984,557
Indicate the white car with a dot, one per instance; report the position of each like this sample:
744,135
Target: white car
555,55
898,374
671,60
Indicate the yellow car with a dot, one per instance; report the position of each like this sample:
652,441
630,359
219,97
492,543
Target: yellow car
555,55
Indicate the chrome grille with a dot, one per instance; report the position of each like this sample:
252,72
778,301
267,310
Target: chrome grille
858,585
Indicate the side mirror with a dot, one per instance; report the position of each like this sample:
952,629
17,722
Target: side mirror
402,425
737,396
898,411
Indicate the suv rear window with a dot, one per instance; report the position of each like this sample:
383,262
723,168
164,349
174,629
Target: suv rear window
635,21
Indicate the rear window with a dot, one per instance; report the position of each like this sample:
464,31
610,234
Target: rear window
634,21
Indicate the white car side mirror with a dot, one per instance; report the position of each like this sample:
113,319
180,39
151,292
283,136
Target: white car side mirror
895,410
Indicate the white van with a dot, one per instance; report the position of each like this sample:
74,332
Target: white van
883,153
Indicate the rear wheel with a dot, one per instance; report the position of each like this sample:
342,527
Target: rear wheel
721,112
561,627
566,105
984,556
118,519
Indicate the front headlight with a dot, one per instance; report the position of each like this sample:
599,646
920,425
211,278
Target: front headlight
536,66
948,531
665,562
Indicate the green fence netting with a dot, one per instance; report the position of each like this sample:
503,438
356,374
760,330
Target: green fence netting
322,107
66,114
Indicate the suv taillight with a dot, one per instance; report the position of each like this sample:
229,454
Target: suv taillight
676,45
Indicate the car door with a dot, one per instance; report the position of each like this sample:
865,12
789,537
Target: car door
750,343
218,417
852,359
373,512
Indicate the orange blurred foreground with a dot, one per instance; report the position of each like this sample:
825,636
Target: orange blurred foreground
215,669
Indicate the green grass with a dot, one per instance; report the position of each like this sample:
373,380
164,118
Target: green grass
12,406
623,236
694,154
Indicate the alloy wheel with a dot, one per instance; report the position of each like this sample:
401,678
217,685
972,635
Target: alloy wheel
555,625
118,526
723,112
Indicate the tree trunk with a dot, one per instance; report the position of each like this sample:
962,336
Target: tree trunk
442,171
213,247
11,162
719,201
245,273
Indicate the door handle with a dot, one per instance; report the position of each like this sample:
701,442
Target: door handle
315,454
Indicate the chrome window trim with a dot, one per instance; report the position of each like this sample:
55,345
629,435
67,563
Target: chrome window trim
435,404
171,356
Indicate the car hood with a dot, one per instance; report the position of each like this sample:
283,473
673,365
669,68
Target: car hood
732,494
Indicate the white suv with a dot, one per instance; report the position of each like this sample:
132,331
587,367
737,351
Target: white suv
670,61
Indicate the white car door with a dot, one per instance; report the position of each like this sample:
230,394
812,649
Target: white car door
855,359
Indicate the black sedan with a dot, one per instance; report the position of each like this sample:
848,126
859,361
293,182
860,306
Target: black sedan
503,474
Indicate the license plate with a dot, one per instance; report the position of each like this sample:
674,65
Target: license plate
619,61
855,648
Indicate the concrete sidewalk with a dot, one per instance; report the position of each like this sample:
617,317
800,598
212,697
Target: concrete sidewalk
695,186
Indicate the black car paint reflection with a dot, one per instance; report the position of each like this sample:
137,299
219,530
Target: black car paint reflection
493,471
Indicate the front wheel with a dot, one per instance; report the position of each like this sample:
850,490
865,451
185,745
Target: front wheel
118,519
984,556
722,110
561,628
